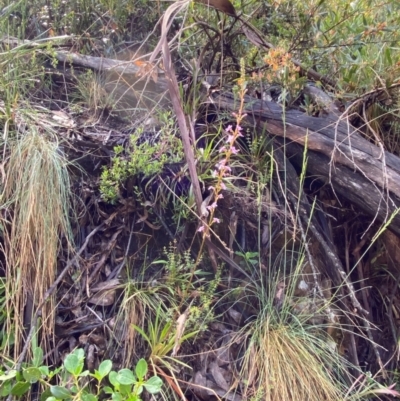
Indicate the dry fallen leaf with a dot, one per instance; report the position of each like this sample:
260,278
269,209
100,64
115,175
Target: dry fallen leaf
200,384
219,376
103,298
146,68
235,315
180,328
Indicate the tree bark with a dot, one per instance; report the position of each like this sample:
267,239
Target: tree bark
360,171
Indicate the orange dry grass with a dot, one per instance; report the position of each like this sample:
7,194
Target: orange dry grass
36,190
293,364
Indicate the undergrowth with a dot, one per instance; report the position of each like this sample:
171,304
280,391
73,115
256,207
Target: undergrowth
277,344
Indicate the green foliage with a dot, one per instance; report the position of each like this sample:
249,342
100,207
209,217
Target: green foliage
162,337
104,19
73,381
249,258
91,94
144,158
184,277
22,74
168,328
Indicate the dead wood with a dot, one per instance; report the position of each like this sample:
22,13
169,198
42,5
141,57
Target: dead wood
338,154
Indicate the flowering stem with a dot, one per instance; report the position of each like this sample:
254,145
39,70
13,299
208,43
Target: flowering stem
222,168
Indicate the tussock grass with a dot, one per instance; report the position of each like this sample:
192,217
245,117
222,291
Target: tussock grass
292,363
91,92
289,354
36,193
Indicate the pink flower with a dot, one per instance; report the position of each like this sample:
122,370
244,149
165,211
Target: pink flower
230,139
216,220
222,149
213,206
223,186
228,128
211,188
201,229
221,164
220,196
214,173
234,150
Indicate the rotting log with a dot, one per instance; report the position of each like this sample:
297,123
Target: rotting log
360,171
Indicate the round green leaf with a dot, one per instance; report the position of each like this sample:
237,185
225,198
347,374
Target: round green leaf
32,375
113,378
73,364
141,369
108,390
44,370
60,392
125,376
37,357
153,385
105,368
80,353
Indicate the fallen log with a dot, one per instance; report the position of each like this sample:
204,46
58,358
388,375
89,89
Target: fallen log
361,172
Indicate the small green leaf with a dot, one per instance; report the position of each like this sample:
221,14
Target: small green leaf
96,375
105,368
153,385
117,397
51,398
9,375
46,395
37,359
45,370
108,390
85,373
73,364
60,392
125,389
20,388
113,379
88,397
141,369
125,376
139,389
32,375
5,389
80,353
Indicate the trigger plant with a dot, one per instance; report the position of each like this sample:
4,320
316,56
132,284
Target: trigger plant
222,168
